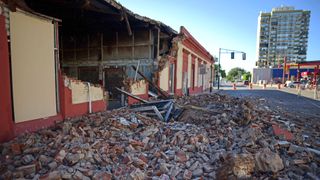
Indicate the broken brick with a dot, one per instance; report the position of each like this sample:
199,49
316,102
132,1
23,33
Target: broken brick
61,155
16,149
28,169
282,132
102,175
187,174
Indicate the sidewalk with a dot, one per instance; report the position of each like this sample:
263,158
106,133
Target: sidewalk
305,93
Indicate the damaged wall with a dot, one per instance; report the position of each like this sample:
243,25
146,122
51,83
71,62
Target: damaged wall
106,46
33,66
193,66
107,49
179,67
164,78
140,89
76,98
80,91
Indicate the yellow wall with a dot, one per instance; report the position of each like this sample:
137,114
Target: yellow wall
196,73
198,82
189,70
207,77
139,87
179,66
33,67
80,91
164,78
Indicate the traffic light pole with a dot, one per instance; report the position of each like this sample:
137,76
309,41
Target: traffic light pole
227,51
219,69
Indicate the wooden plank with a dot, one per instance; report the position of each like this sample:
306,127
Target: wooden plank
158,45
127,22
131,95
117,44
88,50
132,45
75,50
61,40
158,113
129,45
148,108
101,46
150,44
168,112
162,92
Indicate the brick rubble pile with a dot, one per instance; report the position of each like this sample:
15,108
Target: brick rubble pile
216,137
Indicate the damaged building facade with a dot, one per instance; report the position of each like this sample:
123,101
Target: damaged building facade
62,59
189,67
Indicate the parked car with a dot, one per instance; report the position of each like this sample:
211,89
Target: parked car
292,84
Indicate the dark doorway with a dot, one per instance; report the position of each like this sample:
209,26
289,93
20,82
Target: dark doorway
114,77
171,78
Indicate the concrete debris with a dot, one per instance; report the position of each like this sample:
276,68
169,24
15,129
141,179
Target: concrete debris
216,137
27,159
237,166
268,161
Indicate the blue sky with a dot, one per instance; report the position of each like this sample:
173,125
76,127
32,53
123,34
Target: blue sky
230,24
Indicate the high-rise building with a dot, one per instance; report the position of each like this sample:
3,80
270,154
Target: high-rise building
282,33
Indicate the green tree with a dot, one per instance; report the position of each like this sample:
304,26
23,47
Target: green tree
246,76
235,73
223,72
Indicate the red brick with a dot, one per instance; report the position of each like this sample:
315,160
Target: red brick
282,132
102,175
135,143
143,158
181,156
187,174
126,160
16,148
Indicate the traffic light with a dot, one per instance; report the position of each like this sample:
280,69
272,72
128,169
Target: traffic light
243,56
232,55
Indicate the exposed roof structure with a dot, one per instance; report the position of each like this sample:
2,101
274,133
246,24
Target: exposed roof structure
114,11
141,18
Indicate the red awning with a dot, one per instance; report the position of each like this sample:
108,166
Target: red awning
304,74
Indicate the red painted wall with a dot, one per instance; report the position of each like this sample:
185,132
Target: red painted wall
191,43
185,61
34,125
67,110
144,96
195,90
6,121
178,92
9,129
72,110
133,101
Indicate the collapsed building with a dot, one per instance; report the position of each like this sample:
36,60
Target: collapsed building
62,59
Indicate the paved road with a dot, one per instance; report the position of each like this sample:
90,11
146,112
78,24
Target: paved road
300,106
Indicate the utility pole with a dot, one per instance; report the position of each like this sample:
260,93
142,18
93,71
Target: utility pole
228,51
284,69
219,69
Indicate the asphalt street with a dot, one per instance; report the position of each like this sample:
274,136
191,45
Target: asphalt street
290,103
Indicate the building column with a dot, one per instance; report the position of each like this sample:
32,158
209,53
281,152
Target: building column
6,119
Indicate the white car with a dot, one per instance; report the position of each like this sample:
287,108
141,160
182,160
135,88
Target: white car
292,84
